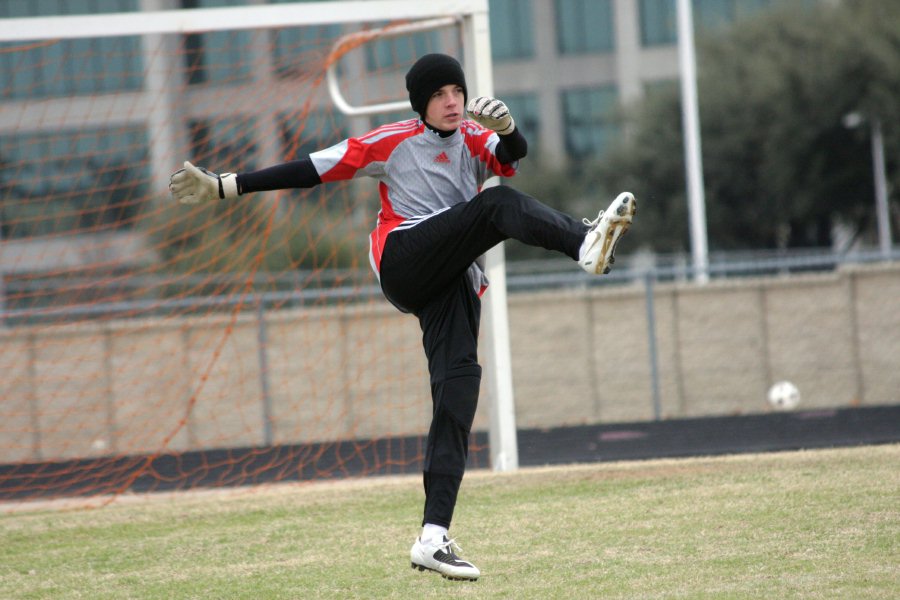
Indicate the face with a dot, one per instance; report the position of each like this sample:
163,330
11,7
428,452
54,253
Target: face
446,107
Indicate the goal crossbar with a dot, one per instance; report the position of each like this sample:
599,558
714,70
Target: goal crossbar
197,20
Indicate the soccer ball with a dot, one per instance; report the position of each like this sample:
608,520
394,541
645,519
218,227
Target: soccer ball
784,396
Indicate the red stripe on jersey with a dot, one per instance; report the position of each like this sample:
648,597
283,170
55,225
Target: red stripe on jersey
387,214
398,126
387,221
476,137
360,152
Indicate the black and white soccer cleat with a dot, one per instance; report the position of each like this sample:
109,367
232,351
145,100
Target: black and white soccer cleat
604,233
439,554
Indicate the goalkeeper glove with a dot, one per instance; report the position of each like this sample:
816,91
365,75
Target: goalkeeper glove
491,113
191,185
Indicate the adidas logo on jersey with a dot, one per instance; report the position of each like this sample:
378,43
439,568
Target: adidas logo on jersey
442,158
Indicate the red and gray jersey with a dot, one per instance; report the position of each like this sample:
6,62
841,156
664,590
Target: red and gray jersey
419,173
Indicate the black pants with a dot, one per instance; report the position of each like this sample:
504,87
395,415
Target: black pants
423,271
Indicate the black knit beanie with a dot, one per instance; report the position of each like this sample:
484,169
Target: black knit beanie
428,75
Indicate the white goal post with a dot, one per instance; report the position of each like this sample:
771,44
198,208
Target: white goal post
158,18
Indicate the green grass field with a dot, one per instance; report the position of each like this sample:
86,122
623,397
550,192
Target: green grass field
816,524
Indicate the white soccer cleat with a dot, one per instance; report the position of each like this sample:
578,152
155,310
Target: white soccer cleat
438,555
599,246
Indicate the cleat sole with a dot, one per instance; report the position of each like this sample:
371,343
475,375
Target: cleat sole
610,241
448,577
617,228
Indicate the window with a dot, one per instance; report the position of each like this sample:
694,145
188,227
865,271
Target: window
589,120
68,67
658,22
525,109
63,182
512,34
584,26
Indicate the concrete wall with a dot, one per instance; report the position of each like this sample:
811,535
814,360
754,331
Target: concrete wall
358,372
584,357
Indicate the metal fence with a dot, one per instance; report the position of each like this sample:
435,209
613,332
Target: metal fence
32,298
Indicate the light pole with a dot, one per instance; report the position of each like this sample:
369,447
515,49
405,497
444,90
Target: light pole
690,116
882,214
881,196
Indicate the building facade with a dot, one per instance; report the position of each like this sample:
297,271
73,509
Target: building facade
563,66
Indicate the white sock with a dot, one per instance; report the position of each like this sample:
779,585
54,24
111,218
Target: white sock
430,531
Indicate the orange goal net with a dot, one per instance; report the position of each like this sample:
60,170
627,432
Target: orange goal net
146,345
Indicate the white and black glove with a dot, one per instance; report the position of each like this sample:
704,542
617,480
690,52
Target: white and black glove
192,185
491,113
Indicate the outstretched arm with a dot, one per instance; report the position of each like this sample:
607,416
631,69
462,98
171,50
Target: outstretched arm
294,174
192,184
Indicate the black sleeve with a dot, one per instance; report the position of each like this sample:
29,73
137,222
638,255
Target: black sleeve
294,174
512,147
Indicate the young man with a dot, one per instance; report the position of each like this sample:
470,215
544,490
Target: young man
434,224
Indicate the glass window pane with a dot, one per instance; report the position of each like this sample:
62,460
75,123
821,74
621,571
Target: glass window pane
658,22
57,57
228,56
70,181
525,109
512,32
584,26
87,60
589,120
